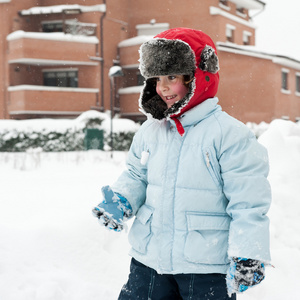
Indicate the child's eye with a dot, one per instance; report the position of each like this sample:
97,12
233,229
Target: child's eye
172,77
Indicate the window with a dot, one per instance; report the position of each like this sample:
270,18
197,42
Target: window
224,2
247,37
298,83
132,77
241,10
284,79
61,78
71,26
230,33
52,26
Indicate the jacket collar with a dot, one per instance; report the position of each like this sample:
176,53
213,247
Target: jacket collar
196,114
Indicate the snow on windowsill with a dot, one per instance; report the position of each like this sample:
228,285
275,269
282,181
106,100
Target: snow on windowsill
131,90
57,36
224,6
56,9
50,88
242,15
287,92
137,40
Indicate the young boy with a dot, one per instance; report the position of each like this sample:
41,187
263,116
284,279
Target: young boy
196,182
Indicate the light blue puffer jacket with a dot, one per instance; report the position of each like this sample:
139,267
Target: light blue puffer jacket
200,198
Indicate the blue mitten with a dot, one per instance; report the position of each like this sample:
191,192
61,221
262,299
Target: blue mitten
244,273
113,210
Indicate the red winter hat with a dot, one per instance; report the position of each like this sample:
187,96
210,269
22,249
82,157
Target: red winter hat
179,51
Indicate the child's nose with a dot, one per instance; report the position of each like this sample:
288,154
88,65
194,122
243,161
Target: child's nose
164,85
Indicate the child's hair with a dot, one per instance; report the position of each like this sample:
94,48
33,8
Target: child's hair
187,79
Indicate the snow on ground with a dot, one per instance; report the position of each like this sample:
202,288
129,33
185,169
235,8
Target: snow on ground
53,249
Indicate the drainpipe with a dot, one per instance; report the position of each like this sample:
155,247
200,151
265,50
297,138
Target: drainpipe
102,56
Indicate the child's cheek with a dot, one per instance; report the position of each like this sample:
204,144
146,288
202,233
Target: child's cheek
158,91
181,90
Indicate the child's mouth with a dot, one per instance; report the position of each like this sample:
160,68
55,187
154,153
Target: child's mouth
170,97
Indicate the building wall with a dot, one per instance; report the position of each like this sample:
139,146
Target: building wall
59,100
50,49
287,104
115,27
129,55
3,65
250,87
245,87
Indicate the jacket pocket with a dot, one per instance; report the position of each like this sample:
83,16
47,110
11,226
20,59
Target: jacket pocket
212,165
207,238
140,232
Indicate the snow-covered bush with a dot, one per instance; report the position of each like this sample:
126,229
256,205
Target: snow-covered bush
258,129
20,141
121,140
123,131
56,135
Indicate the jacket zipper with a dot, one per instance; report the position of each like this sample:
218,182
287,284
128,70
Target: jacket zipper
207,159
211,168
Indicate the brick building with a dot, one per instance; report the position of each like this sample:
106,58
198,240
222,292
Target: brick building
57,55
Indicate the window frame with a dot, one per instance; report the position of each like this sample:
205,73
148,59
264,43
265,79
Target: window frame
285,81
230,29
241,11
59,79
224,2
297,78
247,35
59,24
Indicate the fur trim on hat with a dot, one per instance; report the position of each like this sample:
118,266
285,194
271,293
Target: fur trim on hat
209,60
152,104
161,57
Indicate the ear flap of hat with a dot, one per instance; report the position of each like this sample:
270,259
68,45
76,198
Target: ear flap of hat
209,60
151,102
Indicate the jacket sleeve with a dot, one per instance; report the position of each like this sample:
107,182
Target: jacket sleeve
132,183
244,167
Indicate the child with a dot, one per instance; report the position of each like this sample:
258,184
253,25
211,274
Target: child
196,182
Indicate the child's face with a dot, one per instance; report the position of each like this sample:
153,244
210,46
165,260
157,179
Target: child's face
171,88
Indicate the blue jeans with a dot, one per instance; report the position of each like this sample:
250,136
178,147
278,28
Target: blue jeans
145,283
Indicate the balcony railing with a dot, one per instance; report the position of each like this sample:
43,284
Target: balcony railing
78,28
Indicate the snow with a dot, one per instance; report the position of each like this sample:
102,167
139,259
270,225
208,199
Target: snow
31,87
61,125
54,36
115,71
137,40
131,90
56,9
120,125
52,248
